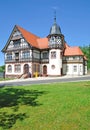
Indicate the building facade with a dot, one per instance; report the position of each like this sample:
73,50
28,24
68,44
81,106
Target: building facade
27,55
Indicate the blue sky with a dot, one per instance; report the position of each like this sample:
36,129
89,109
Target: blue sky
37,16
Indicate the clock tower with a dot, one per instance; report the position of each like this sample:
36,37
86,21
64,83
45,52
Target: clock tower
56,48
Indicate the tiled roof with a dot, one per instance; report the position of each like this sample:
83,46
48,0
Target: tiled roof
43,43
29,37
33,40
72,51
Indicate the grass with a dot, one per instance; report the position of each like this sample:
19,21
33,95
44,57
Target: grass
3,79
59,106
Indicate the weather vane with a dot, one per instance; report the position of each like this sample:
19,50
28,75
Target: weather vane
55,15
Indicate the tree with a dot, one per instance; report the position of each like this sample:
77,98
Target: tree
2,68
86,51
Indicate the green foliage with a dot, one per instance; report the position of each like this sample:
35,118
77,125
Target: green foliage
2,68
86,51
58,106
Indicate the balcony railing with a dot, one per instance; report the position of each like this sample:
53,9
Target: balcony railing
18,47
73,60
17,59
44,60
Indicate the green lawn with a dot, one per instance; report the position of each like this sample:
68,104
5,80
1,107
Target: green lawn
59,106
4,79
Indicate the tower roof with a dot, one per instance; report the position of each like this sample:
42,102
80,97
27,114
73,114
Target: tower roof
55,29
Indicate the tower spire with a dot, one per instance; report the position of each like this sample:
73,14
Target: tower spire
54,16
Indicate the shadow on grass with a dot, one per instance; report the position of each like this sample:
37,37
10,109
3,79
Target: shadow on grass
12,98
8,120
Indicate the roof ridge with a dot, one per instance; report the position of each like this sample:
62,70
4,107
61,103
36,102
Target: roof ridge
27,31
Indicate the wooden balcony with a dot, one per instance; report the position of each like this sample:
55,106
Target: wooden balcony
21,59
17,59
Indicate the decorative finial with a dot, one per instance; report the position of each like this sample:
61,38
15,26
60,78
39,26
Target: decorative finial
55,16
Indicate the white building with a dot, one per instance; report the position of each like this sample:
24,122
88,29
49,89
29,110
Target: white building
29,55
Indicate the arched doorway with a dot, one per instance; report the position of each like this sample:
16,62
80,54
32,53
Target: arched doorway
26,68
44,70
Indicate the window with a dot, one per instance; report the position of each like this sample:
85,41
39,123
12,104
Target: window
17,33
75,57
18,68
17,43
10,45
53,67
85,62
67,58
53,54
17,55
26,54
80,68
9,56
64,58
9,68
75,68
45,55
80,57
24,43
36,54
67,68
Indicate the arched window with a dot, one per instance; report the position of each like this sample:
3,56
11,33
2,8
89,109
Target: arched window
26,68
9,68
17,68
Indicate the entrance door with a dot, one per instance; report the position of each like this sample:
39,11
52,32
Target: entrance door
44,70
26,68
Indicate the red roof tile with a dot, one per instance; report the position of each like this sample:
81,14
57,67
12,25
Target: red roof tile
43,43
72,51
30,38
